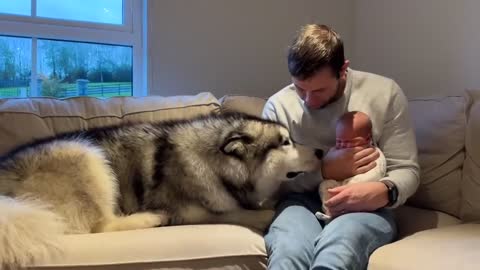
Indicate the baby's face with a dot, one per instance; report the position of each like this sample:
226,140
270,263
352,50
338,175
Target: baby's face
353,142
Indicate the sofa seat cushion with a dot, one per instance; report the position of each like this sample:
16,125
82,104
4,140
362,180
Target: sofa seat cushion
180,247
25,119
452,247
411,220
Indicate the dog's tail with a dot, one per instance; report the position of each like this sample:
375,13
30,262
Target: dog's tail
29,232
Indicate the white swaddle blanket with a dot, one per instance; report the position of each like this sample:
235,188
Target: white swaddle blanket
375,174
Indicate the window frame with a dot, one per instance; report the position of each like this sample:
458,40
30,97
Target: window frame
130,33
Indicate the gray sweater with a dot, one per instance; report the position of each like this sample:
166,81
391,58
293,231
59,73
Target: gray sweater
379,97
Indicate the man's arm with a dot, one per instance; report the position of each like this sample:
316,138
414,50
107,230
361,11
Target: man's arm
399,147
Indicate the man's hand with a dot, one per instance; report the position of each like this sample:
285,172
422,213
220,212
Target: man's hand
358,197
340,164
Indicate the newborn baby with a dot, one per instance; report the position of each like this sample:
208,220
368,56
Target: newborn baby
352,129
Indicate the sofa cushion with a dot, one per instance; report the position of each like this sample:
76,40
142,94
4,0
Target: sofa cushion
470,208
245,104
439,125
177,247
411,220
25,119
452,247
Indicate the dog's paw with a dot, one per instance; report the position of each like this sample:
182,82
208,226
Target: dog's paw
149,220
134,222
263,219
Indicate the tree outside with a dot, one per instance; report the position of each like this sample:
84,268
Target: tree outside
64,67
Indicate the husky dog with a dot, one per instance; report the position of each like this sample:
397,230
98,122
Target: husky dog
211,169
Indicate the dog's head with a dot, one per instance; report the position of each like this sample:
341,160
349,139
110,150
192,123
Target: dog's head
266,152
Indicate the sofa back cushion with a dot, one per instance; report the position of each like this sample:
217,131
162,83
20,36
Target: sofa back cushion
245,104
25,119
439,125
470,207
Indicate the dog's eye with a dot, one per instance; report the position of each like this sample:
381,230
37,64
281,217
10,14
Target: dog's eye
286,142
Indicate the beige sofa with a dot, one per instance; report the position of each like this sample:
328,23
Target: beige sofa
445,237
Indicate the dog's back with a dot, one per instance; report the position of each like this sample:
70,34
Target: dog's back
204,170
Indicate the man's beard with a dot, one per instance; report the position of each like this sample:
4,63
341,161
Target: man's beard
338,94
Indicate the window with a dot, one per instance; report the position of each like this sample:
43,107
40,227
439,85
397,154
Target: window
20,7
15,66
85,10
67,48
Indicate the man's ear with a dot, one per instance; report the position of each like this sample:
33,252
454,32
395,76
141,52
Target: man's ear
235,144
343,70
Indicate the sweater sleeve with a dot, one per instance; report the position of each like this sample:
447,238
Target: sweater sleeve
399,146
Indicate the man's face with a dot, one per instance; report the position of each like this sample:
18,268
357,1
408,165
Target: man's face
320,89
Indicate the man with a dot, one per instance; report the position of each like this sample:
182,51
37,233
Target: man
324,88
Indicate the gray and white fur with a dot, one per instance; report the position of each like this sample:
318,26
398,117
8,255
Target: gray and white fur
212,169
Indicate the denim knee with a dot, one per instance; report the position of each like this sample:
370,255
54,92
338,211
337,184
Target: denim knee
348,241
289,251
290,239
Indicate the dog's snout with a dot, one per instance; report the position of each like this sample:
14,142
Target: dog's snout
319,153
292,174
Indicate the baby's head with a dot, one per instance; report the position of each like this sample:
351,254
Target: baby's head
353,129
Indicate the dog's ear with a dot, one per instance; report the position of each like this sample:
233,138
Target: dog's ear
235,144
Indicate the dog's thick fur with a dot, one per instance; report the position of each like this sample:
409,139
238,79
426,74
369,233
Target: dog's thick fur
214,169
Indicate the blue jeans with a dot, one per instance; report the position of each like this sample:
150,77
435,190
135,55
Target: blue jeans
297,240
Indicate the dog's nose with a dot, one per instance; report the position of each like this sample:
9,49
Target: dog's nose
319,153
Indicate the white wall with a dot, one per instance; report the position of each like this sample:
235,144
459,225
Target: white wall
239,47
430,47
231,47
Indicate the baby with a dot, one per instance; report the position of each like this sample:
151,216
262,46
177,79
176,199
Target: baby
352,129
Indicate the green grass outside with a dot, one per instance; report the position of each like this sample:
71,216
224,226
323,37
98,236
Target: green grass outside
11,91
14,91
72,86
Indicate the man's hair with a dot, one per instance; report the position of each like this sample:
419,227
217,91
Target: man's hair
315,47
